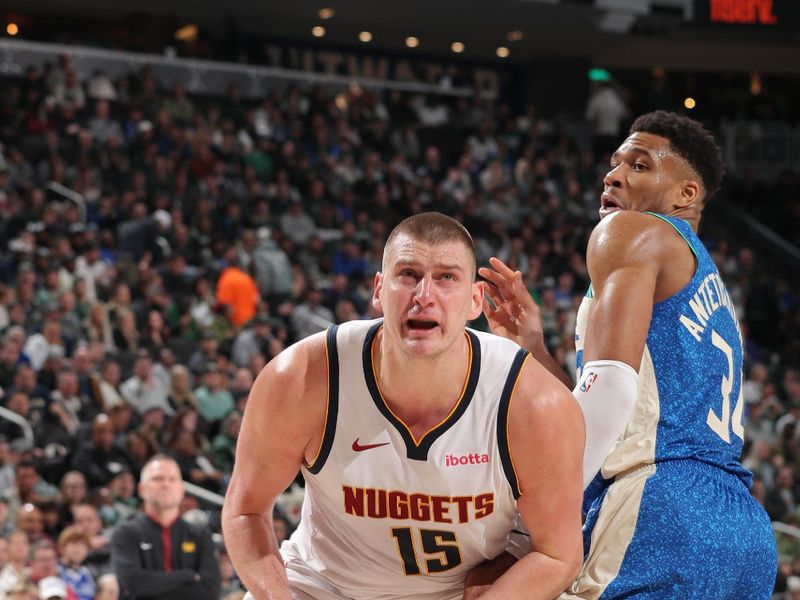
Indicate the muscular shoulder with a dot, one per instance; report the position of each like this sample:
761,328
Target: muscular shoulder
293,386
296,375
627,231
631,239
540,399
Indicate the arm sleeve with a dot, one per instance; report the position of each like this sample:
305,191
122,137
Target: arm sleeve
606,393
134,580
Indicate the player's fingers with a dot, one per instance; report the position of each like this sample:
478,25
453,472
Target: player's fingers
491,276
499,283
501,267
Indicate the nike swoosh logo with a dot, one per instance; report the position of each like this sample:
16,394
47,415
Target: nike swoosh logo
145,546
359,448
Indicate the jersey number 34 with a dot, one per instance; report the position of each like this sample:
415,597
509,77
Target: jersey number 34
723,425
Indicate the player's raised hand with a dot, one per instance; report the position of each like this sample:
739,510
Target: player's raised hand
512,312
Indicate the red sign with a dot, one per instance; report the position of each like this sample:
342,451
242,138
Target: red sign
743,12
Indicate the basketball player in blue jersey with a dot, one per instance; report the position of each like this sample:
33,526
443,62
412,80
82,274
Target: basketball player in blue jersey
659,382
419,440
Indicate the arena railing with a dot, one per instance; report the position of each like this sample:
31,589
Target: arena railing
203,494
199,76
27,432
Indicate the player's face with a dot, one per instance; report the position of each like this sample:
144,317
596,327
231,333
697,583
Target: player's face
426,293
646,175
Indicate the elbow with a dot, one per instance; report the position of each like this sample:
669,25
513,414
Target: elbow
573,564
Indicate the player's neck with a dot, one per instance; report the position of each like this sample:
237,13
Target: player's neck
419,389
689,214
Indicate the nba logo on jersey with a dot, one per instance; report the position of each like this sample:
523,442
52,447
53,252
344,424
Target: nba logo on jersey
587,383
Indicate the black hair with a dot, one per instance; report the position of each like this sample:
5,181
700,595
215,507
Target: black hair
689,139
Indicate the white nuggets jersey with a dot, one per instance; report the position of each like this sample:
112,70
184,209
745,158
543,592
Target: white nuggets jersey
387,516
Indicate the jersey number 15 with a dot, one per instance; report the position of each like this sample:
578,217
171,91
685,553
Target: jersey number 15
434,541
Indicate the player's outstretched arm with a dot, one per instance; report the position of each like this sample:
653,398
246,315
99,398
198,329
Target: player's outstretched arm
546,437
283,424
513,314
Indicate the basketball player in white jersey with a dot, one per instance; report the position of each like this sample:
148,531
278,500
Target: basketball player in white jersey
419,440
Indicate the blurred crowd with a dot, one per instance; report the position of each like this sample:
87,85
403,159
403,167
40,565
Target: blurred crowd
160,248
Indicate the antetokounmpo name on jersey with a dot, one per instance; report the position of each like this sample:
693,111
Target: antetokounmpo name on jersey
710,296
382,504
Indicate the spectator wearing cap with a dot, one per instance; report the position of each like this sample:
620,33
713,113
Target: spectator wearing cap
157,555
73,548
54,588
16,569
99,459
143,390
214,401
237,289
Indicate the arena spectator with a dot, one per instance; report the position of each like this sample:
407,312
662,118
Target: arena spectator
158,571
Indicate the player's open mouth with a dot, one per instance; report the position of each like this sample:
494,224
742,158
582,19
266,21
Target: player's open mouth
608,201
608,204
421,324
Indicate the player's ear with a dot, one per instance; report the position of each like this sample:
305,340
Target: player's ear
376,294
690,192
476,308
